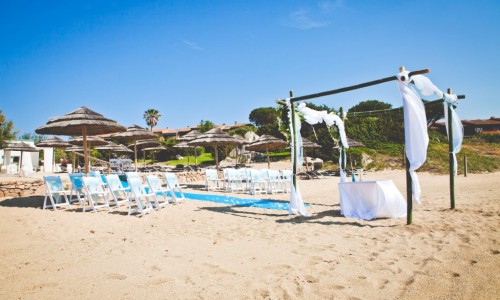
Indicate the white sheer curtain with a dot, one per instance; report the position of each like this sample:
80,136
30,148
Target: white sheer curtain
427,88
312,117
456,125
416,137
296,202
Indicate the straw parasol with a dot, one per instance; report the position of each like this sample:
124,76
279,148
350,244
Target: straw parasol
214,137
354,143
84,122
186,138
156,148
144,144
266,142
308,144
92,141
113,147
135,133
189,136
141,145
54,142
22,147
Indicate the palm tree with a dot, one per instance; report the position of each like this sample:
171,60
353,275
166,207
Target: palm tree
152,116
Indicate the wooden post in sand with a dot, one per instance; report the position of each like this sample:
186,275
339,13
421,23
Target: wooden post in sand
294,166
409,191
409,198
450,150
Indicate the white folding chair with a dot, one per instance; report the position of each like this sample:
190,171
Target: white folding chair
96,195
274,181
258,181
55,192
77,187
287,175
158,191
212,180
140,197
174,187
233,180
116,189
98,175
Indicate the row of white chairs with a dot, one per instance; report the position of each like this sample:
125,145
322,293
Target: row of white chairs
253,181
98,192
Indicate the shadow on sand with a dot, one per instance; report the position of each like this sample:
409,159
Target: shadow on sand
24,202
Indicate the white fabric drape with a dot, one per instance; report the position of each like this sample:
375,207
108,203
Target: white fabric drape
456,125
343,176
296,202
427,88
416,137
312,117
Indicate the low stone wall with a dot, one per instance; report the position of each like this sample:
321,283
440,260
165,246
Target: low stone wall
29,187
21,188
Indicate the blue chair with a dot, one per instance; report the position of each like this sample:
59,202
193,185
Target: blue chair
55,192
77,187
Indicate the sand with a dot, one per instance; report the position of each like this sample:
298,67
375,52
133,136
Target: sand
205,250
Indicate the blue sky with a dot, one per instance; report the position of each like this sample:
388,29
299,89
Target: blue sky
218,60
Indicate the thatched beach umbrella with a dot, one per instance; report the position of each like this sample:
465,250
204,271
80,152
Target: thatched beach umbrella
214,137
265,143
84,122
186,138
22,147
141,145
134,134
54,142
92,141
156,148
354,143
308,144
113,147
144,144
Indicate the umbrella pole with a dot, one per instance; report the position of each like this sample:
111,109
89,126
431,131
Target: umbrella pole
135,154
144,157
268,159
21,164
195,157
216,158
85,150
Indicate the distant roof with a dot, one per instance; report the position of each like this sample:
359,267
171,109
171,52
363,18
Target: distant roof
490,121
174,131
189,128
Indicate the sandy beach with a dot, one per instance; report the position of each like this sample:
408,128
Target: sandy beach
207,250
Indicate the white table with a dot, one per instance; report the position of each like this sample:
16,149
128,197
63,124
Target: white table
368,200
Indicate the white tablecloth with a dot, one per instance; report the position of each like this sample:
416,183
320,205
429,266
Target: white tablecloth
371,199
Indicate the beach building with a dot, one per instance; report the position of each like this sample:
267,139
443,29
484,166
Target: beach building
475,127
9,160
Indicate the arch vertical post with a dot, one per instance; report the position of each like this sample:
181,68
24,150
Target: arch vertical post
294,166
450,154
